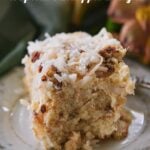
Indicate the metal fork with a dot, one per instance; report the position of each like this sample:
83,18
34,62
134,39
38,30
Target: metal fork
141,82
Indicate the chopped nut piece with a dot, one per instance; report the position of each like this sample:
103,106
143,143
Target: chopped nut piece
43,108
107,52
44,78
58,85
40,68
81,51
51,71
35,56
111,68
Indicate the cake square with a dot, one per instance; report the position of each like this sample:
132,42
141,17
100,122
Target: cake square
78,85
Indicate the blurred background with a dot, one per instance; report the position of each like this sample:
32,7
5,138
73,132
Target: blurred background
25,20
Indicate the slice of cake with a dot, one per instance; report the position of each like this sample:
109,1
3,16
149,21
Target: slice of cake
78,85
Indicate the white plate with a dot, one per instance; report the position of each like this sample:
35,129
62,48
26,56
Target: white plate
15,122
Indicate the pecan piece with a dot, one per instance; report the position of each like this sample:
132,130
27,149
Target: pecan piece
111,68
35,56
51,71
81,51
43,109
40,68
107,52
44,78
57,85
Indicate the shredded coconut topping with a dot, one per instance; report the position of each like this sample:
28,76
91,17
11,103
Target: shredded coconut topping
73,54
